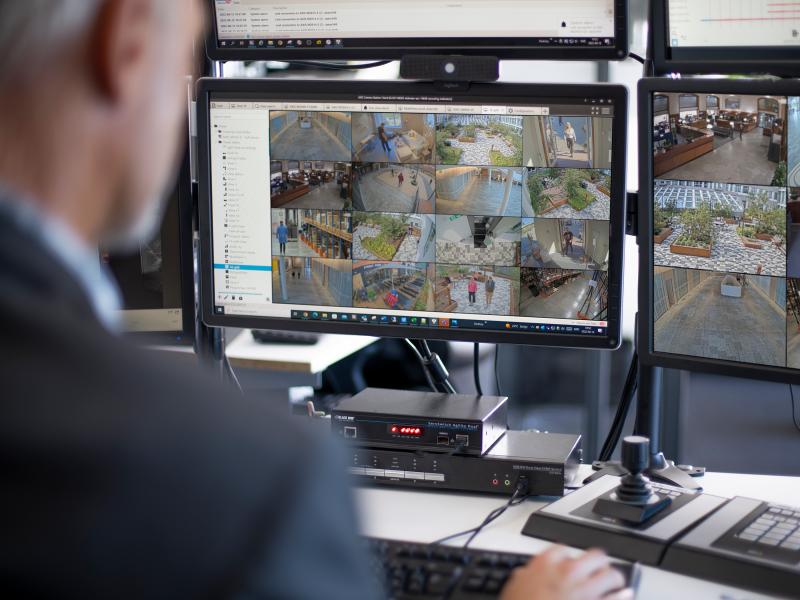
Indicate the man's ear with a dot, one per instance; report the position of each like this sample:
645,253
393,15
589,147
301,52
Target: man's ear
119,46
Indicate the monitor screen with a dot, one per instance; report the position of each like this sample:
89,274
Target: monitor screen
394,205
156,283
726,36
732,23
722,242
374,29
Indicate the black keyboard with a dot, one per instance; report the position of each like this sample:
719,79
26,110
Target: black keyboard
414,571
771,532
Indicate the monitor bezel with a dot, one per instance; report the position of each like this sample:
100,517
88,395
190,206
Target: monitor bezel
645,326
186,335
461,46
352,89
779,61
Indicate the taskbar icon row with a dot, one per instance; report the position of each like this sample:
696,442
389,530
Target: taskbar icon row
446,323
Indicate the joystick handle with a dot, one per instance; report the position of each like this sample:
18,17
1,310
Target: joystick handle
635,454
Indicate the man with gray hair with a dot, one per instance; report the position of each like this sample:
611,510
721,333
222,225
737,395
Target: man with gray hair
124,475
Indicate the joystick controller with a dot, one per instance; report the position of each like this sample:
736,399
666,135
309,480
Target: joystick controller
634,500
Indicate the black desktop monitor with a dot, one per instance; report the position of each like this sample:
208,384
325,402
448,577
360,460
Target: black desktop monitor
396,209
726,36
157,282
720,228
387,29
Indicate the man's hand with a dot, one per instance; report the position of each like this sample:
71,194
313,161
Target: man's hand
553,575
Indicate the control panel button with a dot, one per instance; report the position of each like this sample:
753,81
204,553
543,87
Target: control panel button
356,471
375,472
415,475
395,474
434,477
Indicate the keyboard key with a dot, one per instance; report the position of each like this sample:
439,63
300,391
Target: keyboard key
474,584
755,530
438,584
748,537
769,541
786,545
493,586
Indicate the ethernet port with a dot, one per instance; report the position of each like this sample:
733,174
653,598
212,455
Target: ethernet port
443,439
350,432
462,440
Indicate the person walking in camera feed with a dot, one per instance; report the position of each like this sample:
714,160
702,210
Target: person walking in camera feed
570,137
472,289
490,285
384,137
283,236
567,242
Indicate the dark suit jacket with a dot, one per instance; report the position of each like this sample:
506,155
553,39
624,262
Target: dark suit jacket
125,476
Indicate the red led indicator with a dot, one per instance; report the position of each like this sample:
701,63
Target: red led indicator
406,430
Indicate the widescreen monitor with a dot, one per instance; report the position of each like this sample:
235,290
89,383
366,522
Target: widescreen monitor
156,282
726,36
395,209
387,29
720,226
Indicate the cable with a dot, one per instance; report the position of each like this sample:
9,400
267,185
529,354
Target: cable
519,495
424,364
496,373
476,368
636,57
231,374
615,432
338,67
439,372
794,414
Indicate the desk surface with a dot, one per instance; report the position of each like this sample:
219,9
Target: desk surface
426,516
246,353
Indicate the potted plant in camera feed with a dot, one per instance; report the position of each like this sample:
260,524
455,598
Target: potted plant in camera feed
697,232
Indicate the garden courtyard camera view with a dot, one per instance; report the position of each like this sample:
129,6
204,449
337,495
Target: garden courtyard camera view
568,193
720,227
479,140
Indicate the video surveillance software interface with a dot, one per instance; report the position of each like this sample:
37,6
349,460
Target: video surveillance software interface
363,23
733,23
436,215
727,227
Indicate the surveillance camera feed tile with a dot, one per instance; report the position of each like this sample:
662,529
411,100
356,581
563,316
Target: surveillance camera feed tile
726,225
440,215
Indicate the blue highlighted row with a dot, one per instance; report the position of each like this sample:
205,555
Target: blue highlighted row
242,267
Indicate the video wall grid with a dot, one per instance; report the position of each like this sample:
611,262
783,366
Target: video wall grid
449,213
726,227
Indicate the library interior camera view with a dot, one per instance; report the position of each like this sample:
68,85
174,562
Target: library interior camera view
465,213
726,218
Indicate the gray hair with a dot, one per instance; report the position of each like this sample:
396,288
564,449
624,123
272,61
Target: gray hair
35,30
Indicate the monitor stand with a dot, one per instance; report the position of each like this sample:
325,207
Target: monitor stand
648,424
450,72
